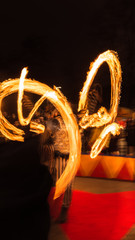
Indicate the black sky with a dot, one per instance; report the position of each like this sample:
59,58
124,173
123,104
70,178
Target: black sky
57,40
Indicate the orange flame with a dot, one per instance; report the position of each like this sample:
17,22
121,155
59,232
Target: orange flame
113,128
102,117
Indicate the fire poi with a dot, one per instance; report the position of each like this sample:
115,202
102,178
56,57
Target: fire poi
102,117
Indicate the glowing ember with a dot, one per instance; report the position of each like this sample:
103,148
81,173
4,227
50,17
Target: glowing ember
102,117
59,101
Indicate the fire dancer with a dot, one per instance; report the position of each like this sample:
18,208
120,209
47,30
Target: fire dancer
55,140
93,103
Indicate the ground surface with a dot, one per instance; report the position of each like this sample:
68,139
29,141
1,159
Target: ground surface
98,186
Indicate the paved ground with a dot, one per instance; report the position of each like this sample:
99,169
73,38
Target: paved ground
99,186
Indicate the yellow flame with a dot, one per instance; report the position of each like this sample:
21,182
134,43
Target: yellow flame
59,101
102,117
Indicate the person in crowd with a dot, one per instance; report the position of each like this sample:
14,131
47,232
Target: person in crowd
122,145
131,135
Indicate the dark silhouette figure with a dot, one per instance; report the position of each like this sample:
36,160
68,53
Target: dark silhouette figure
24,187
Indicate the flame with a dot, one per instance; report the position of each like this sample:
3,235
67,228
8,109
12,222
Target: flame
113,128
22,121
102,117
60,102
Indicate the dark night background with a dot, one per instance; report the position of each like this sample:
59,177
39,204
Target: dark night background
57,40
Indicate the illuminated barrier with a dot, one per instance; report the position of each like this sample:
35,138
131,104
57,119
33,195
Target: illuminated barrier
104,166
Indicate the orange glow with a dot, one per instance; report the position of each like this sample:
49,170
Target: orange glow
102,117
60,102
